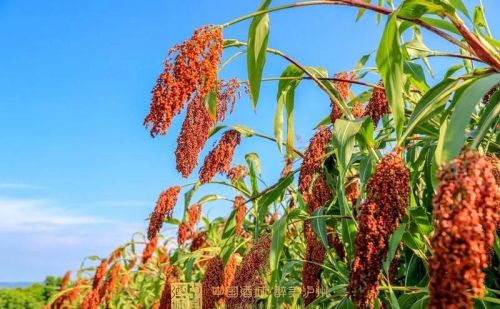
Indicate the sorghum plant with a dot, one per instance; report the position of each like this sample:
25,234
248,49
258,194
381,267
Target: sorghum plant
394,202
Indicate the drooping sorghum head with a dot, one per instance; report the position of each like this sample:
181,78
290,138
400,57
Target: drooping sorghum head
237,172
466,213
249,272
378,105
100,273
213,279
241,210
311,270
336,111
352,190
194,134
388,193
66,279
166,295
227,95
112,281
344,88
312,161
164,206
183,233
190,70
219,159
91,300
229,272
358,111
287,168
199,240
194,215
149,249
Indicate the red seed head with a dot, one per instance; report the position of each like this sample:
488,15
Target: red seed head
164,206
227,95
249,273
194,215
190,70
386,203
344,89
183,233
378,105
112,282
229,272
219,159
149,250
212,279
199,241
66,279
241,210
237,172
466,214
100,273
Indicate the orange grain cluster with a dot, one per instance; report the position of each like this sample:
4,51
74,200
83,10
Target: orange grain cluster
237,172
387,199
229,272
194,215
190,70
466,213
241,210
112,282
249,273
212,279
219,159
316,193
344,89
199,240
377,105
94,297
184,233
149,249
172,275
164,206
227,95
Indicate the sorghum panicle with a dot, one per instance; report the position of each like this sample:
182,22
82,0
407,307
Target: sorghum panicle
249,272
149,249
194,215
387,199
190,70
172,276
212,279
194,134
112,282
229,272
378,105
199,240
237,172
164,206
183,233
219,159
241,210
66,279
100,273
466,214
344,88
227,95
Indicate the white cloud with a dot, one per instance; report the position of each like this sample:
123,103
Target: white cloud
27,215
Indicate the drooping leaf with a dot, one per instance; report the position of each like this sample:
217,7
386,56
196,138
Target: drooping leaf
394,242
343,138
390,64
453,133
319,226
258,38
278,241
488,117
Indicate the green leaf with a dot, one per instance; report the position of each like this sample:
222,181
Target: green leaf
436,97
228,237
285,98
258,38
253,158
390,64
417,76
243,130
459,5
488,117
189,195
393,246
278,241
452,136
343,138
211,104
319,226
441,23
210,198
416,8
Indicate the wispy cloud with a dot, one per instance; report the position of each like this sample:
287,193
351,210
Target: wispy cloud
26,215
19,186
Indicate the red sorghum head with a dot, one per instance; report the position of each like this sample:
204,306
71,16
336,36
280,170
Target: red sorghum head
194,215
343,88
312,161
199,240
229,272
213,279
190,70
352,190
311,270
227,95
112,281
194,134
249,273
183,233
149,249
164,206
378,105
358,111
66,279
237,172
100,273
466,213
219,159
387,199
166,295
241,210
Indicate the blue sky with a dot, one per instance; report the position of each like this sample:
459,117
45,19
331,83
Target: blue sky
78,172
